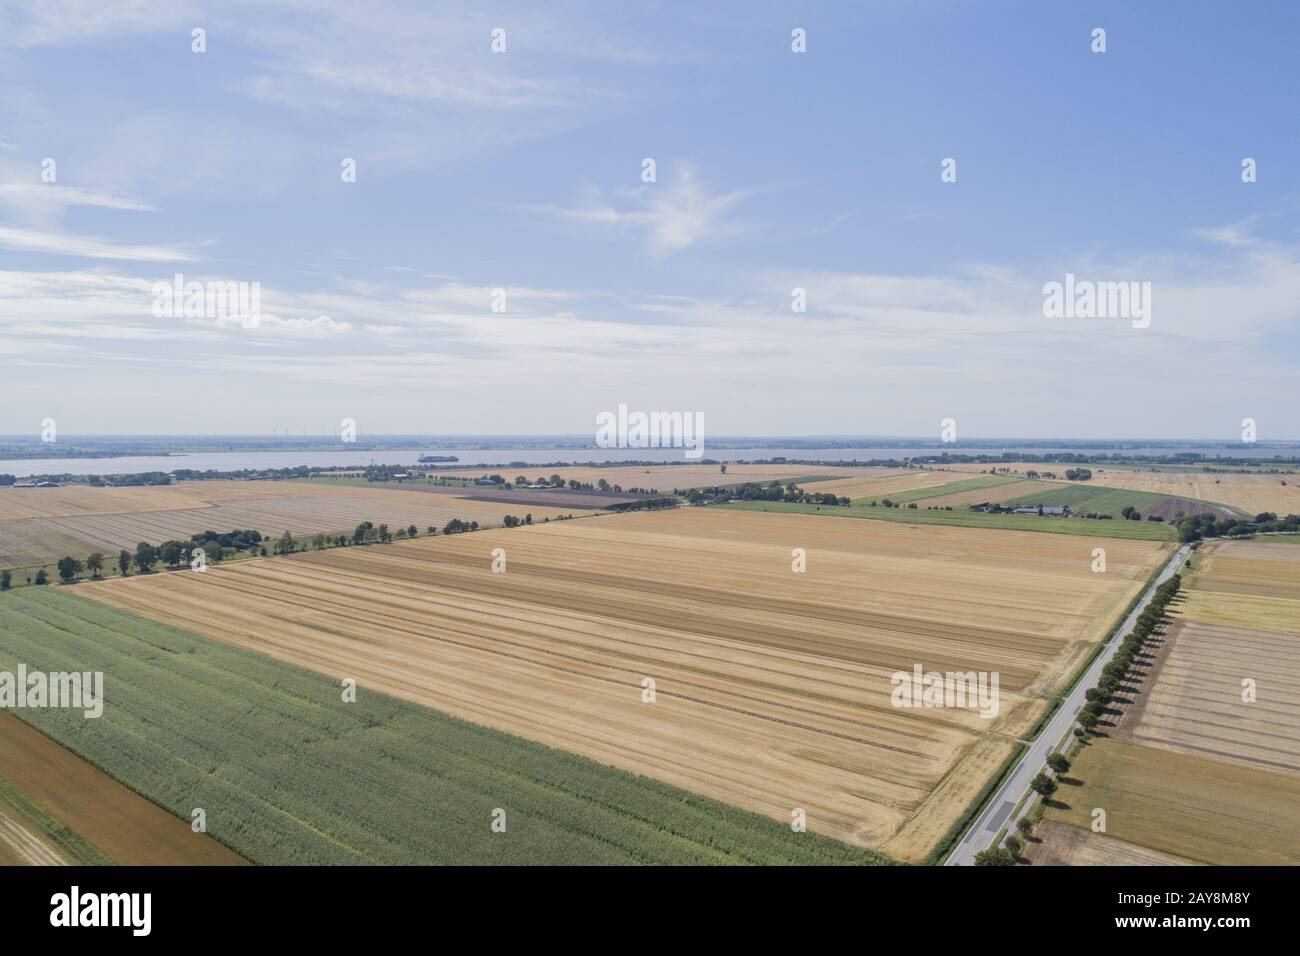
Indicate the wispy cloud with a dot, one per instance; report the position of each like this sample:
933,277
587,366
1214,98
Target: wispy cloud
91,247
54,196
672,215
57,22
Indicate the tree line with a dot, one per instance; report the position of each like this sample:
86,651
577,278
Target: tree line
1098,698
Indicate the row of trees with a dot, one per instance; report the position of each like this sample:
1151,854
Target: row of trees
1098,699
215,546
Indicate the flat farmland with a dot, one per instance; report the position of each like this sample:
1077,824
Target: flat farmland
88,500
1195,702
771,688
1248,493
1089,497
268,507
1241,621
1193,769
962,517
1186,805
872,483
1247,584
289,772
663,478
943,493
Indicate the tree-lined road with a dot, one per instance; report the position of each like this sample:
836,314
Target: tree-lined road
997,813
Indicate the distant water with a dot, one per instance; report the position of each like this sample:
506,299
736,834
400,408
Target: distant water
502,456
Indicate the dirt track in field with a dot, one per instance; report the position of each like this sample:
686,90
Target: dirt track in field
23,847
772,687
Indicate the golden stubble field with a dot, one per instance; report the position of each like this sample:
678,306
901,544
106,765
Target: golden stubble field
43,524
772,687
1240,622
1193,807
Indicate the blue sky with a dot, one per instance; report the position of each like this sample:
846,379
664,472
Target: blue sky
775,170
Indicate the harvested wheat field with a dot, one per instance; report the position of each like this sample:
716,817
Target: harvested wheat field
1058,844
1193,700
89,500
772,688
191,507
1240,623
1190,806
1247,584
872,483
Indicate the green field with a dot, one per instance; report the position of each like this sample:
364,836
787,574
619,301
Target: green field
290,774
1106,501
1142,530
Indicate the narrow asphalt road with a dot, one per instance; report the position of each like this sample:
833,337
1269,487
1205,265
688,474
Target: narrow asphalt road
997,812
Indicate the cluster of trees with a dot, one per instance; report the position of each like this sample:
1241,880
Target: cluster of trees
384,472
1009,853
1132,514
643,504
239,539
558,482
1078,474
772,491
456,526
555,481
511,521
123,481
69,568
1196,527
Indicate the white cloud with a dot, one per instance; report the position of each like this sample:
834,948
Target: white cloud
92,247
26,195
673,214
